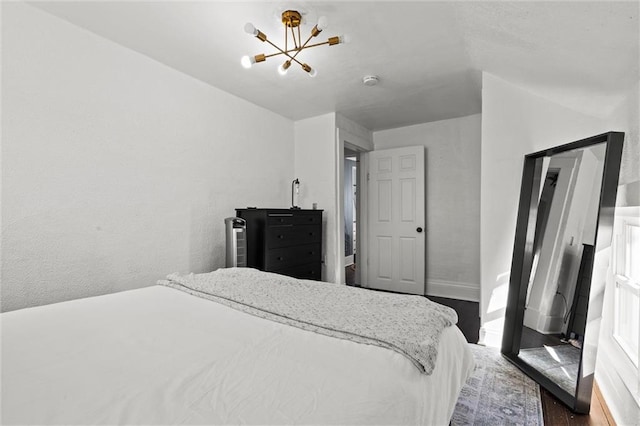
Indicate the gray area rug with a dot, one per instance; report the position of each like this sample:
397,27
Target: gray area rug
559,363
497,393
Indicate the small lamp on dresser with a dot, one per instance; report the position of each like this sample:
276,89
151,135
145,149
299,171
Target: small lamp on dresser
295,190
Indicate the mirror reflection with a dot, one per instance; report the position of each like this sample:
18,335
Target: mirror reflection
557,296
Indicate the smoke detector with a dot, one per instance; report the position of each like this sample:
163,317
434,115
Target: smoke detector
370,80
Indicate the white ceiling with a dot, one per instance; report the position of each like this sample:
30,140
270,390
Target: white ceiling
429,55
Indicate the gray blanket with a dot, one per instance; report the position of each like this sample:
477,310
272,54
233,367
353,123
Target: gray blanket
410,325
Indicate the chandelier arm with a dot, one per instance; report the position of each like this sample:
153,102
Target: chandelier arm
273,54
304,46
286,39
282,52
278,49
287,52
293,36
314,45
298,51
296,61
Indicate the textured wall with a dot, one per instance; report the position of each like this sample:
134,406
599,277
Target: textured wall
116,169
315,166
453,200
625,118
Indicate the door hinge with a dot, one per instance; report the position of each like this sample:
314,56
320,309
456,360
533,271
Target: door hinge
368,176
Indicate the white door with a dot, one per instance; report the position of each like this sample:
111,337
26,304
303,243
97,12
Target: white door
396,234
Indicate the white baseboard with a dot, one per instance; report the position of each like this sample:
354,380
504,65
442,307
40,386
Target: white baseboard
453,290
543,324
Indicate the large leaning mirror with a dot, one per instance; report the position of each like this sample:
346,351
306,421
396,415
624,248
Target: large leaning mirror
564,226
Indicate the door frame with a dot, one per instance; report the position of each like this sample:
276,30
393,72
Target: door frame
345,139
349,260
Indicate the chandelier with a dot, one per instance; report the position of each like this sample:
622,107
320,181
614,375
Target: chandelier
293,44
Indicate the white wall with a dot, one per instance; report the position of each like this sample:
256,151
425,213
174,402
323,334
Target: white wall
626,118
453,201
315,166
514,123
118,170
610,363
354,133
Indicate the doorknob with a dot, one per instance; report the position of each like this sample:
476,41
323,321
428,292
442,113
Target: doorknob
419,229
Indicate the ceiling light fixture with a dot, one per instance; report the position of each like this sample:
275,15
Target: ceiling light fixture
293,43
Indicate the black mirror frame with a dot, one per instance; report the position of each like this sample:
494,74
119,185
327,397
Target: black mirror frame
522,259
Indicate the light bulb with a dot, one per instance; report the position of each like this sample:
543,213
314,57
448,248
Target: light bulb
250,29
282,69
311,71
345,38
247,61
323,23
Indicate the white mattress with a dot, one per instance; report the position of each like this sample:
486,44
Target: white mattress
159,356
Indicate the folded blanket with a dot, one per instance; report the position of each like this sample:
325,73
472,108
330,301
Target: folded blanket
410,325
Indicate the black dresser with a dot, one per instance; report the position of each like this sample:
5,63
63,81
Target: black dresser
288,242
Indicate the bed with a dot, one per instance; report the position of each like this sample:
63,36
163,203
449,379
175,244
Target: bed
160,355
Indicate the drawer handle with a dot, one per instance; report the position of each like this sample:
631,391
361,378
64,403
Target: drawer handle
311,252
280,258
280,237
311,234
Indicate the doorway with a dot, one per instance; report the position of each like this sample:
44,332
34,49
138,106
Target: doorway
350,214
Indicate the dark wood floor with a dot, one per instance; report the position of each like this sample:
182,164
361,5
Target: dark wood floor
468,316
555,412
350,275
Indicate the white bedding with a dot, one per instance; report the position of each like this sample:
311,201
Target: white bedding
159,356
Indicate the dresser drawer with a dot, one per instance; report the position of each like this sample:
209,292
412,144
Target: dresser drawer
310,271
284,236
288,219
307,219
280,219
281,258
